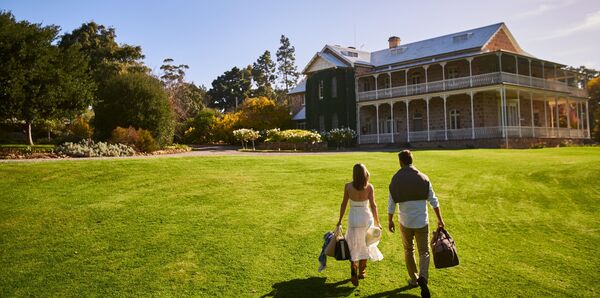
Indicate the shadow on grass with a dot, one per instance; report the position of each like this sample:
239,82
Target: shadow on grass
310,287
394,293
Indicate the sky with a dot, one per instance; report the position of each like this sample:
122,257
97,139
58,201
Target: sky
213,36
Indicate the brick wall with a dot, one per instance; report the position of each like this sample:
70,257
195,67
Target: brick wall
500,41
296,102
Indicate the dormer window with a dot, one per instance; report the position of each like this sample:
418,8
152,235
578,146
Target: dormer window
350,54
462,37
398,50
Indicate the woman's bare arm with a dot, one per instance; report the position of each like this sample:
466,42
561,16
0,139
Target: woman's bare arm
374,206
344,204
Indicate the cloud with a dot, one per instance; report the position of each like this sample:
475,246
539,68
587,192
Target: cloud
545,7
591,22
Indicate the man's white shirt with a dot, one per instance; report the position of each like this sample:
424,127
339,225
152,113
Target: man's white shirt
413,214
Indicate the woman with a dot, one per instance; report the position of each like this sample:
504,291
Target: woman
363,214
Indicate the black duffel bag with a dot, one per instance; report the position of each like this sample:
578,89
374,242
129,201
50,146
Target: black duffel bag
342,251
443,249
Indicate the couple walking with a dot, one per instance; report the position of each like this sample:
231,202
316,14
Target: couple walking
409,192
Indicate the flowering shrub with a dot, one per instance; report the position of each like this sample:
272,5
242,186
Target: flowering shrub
341,136
294,136
245,135
87,148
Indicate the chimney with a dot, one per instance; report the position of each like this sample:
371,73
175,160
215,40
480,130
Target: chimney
394,42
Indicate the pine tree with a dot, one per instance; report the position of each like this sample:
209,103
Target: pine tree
286,59
263,73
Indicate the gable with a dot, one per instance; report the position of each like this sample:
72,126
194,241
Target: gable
319,64
323,61
502,41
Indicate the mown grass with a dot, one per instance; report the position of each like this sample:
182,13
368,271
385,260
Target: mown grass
526,223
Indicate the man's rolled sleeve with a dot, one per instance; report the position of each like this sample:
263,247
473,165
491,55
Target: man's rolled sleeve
391,205
433,200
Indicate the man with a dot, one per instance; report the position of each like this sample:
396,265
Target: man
409,191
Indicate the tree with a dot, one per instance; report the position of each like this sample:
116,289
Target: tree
134,99
594,106
262,113
588,73
38,80
286,64
230,89
263,74
106,56
185,98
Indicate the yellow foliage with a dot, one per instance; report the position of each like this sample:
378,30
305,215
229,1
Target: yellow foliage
593,87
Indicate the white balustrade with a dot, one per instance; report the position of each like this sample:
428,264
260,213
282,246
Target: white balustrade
492,78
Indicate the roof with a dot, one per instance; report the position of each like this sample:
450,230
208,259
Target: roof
468,42
300,87
301,115
473,39
362,57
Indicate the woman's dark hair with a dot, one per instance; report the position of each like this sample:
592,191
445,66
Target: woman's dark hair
360,176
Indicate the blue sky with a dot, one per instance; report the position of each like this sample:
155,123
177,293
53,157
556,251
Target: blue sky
213,36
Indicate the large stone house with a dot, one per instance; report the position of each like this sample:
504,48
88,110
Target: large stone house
473,87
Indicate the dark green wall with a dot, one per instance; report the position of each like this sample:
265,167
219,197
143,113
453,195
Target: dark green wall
344,104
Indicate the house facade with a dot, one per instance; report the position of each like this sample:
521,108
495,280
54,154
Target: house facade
473,87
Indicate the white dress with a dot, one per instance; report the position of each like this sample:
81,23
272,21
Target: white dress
359,221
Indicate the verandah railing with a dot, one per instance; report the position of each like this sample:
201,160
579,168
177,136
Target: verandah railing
470,81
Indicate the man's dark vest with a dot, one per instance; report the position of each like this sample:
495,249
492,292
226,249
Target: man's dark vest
408,184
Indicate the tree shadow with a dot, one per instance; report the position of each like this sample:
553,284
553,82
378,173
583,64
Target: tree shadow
310,287
394,293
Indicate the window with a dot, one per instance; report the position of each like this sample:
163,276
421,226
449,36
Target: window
349,54
303,99
452,72
398,50
416,79
321,89
334,87
417,122
462,37
366,85
301,125
512,114
536,118
454,119
321,123
334,120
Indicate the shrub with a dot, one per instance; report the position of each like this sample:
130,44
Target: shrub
223,127
87,148
141,139
80,129
199,129
341,136
294,136
145,142
538,145
246,135
134,99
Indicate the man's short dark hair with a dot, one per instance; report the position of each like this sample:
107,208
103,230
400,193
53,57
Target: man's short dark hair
406,157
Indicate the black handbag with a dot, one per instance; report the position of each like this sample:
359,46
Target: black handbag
443,249
342,251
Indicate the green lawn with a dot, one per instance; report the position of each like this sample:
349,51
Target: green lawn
526,223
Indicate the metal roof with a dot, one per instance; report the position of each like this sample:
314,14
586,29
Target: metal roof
451,43
455,44
301,115
300,87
